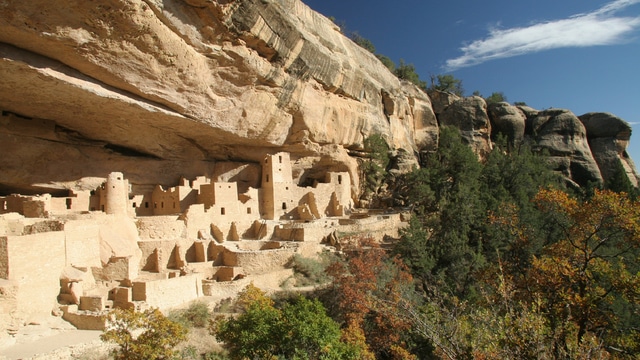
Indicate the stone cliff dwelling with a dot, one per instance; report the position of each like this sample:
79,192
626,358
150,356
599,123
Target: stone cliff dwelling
126,246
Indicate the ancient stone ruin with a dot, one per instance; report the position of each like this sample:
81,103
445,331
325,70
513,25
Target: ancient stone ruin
126,246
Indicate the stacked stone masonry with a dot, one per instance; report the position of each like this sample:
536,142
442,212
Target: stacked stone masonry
116,246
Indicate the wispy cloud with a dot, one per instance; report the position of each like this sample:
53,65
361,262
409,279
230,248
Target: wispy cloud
599,27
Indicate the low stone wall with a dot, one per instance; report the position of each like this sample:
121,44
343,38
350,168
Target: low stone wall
168,293
263,261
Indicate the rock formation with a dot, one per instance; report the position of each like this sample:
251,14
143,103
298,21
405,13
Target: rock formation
608,137
165,89
507,120
470,116
215,91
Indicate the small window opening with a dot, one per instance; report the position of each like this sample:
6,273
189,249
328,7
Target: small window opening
284,206
102,207
248,210
267,177
118,178
146,204
339,179
280,159
135,205
162,205
68,204
222,212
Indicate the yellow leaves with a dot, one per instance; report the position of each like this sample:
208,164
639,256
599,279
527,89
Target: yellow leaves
252,295
142,335
555,200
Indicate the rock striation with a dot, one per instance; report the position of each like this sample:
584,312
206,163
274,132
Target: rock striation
167,88
164,89
608,137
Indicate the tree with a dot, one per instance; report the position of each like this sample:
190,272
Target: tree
387,62
594,264
370,291
446,192
496,97
375,168
363,42
300,330
408,72
619,182
447,83
587,281
147,335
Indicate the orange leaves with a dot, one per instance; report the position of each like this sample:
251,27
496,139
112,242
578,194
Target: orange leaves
370,289
581,274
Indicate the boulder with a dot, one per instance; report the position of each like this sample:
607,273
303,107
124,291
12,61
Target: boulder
470,116
564,136
507,120
608,137
441,100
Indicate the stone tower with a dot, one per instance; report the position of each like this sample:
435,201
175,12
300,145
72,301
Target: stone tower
277,186
117,194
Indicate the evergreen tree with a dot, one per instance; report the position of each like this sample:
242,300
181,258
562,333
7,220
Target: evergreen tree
447,200
447,83
408,72
619,182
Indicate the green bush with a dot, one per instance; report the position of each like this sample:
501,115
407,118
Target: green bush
300,330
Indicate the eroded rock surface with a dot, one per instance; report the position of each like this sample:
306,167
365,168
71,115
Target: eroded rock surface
161,86
508,120
608,137
470,116
564,136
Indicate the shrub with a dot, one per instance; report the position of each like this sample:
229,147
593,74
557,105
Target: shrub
311,271
147,335
196,315
300,330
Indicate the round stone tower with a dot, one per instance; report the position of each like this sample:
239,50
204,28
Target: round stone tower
117,194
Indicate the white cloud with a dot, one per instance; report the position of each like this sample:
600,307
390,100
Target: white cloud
599,27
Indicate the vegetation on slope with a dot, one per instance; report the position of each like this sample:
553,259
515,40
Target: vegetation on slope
499,261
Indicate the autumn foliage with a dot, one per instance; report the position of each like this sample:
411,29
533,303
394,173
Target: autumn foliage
371,292
586,282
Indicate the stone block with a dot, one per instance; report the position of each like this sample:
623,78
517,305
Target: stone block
139,291
122,294
92,303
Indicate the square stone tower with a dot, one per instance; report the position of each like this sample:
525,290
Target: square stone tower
277,186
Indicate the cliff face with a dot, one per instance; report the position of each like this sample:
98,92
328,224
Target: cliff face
163,89
160,89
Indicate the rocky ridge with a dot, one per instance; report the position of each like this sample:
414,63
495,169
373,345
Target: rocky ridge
163,89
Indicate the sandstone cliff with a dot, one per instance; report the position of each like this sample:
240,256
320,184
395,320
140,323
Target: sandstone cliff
163,89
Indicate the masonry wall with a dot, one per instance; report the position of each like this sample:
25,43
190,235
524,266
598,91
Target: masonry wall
82,245
35,263
168,293
261,261
161,227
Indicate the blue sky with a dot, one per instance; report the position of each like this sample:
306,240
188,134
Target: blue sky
581,55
